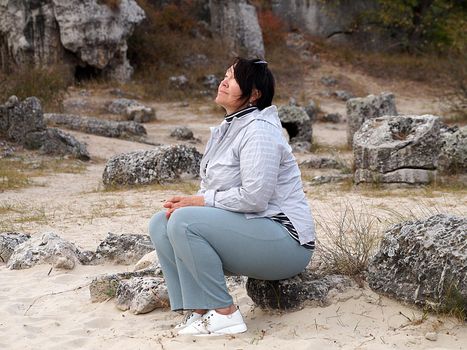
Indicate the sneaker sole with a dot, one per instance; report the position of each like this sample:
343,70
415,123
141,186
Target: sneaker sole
241,328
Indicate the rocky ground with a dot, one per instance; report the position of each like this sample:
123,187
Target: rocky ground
52,308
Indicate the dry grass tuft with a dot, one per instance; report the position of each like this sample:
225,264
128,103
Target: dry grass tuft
48,84
19,172
347,241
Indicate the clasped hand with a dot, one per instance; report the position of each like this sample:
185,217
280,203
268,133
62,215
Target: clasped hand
182,201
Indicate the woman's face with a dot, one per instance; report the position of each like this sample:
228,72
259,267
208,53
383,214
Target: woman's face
229,93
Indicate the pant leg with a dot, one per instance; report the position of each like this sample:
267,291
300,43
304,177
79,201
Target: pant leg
182,283
167,259
208,240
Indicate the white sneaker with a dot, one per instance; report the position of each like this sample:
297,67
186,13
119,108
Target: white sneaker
213,323
188,319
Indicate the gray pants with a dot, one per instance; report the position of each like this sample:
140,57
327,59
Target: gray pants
198,244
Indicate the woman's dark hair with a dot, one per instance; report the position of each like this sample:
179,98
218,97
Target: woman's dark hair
251,74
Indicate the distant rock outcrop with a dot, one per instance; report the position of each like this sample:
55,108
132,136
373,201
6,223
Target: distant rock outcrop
163,163
132,110
236,22
23,123
423,262
327,19
76,33
400,149
361,109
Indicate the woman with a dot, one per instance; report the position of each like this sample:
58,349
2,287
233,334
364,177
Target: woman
250,216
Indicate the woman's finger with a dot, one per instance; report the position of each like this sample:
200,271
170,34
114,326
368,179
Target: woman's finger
175,199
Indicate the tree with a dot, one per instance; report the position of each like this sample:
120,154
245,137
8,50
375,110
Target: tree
424,24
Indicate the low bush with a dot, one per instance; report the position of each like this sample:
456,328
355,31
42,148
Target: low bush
46,83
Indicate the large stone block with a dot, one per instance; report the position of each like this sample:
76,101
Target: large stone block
163,163
423,262
397,149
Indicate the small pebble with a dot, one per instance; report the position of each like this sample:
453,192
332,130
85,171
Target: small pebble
433,336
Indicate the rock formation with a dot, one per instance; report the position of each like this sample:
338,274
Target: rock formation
141,295
321,18
78,33
361,109
46,248
293,293
453,152
123,249
8,243
23,123
132,110
297,123
397,149
423,262
163,163
182,133
236,22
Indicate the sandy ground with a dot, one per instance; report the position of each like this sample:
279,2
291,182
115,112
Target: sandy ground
47,309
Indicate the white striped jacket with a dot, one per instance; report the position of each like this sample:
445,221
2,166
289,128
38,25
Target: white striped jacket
248,167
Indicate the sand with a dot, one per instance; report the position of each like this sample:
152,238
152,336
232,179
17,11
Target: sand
44,308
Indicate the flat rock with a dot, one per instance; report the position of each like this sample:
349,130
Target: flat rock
319,162
147,261
293,293
8,242
132,110
332,118
45,248
105,287
159,165
423,262
95,126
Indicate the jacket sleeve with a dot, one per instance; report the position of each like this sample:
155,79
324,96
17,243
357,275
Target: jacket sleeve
260,158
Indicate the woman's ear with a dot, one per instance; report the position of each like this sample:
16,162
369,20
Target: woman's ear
255,95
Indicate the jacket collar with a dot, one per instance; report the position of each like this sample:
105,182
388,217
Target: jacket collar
228,118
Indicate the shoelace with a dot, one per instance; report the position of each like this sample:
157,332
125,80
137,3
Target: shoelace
206,321
187,317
